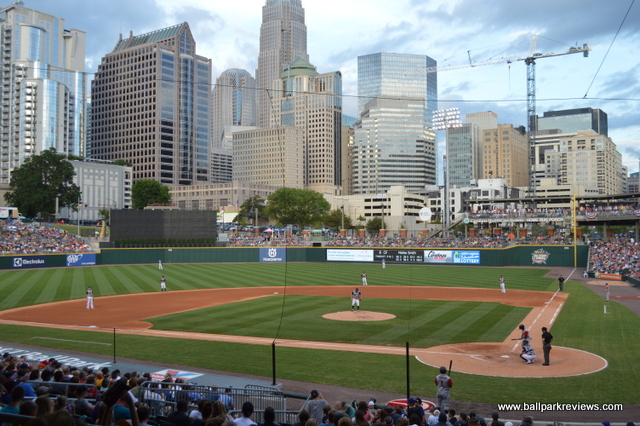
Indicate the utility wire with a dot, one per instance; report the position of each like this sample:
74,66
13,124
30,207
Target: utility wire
609,49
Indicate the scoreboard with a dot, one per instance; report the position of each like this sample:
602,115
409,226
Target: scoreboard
406,256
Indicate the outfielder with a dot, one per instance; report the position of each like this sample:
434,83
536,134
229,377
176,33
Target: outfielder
444,383
502,284
160,264
384,263
364,278
607,290
527,352
356,297
163,284
89,294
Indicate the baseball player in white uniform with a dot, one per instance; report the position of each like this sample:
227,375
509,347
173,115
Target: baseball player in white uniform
502,284
607,291
89,294
160,264
356,297
364,278
163,284
527,352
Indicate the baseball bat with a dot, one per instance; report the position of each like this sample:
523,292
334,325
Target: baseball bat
450,363
515,339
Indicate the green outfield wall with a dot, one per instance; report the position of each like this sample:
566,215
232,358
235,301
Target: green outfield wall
524,255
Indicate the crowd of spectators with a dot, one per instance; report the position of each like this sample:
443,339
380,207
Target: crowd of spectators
620,255
20,238
53,394
519,213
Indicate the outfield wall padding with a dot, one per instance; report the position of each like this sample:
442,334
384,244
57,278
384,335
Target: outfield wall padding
543,256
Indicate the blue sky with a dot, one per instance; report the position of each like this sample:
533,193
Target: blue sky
449,31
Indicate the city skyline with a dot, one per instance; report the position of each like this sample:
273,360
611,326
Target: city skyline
450,32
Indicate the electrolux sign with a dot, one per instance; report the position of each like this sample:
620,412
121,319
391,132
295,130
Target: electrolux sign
273,254
466,257
29,262
81,259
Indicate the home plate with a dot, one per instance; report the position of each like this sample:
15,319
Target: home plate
275,292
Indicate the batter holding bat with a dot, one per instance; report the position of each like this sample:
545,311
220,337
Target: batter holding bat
444,383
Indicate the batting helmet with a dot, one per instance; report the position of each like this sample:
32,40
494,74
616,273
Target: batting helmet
521,326
443,370
525,342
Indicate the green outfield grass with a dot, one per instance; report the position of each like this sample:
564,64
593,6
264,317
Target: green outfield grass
581,325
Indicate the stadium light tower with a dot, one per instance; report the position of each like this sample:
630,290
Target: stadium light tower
446,119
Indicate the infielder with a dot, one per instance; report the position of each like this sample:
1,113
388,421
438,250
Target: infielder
502,284
364,278
527,352
160,264
163,284
444,383
356,297
606,291
89,294
561,283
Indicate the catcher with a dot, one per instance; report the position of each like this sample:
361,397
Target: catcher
356,297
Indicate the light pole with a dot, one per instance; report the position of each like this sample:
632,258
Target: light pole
342,209
444,120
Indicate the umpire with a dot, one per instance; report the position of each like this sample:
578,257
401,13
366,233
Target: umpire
546,344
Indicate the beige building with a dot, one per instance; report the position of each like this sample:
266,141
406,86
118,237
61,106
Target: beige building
273,156
216,196
586,159
309,101
506,154
347,160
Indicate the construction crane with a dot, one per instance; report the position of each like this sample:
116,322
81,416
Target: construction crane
530,61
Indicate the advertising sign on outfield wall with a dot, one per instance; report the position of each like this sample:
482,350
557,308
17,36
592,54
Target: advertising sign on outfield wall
349,255
467,257
273,254
81,259
29,262
438,256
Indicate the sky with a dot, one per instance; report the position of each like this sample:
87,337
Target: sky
452,32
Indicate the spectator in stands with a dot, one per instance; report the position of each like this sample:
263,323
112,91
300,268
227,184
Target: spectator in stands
433,417
359,420
227,399
205,412
28,408
495,416
269,417
23,378
398,413
62,404
17,396
415,407
247,411
403,421
45,405
473,415
303,416
196,413
219,410
345,421
144,413
442,420
106,413
82,407
362,406
315,404
451,416
462,421
414,420
329,418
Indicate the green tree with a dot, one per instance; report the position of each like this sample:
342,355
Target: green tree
35,185
374,225
249,207
147,191
333,220
121,162
299,207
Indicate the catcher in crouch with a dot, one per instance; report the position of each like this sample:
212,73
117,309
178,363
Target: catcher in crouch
356,297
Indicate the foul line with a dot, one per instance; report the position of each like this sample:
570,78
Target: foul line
67,340
541,312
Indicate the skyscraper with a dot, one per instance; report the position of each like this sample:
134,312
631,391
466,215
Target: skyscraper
313,102
393,146
151,106
43,80
394,143
283,39
234,102
574,120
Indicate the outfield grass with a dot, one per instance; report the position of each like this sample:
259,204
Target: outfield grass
581,325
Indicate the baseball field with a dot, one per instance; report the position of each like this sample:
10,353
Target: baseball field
444,313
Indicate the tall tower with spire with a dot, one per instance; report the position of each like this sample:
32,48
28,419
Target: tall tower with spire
283,39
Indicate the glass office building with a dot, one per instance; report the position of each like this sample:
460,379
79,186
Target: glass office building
43,80
283,39
574,120
394,143
151,106
234,102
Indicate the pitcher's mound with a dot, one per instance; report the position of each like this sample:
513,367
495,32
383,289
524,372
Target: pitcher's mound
359,316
